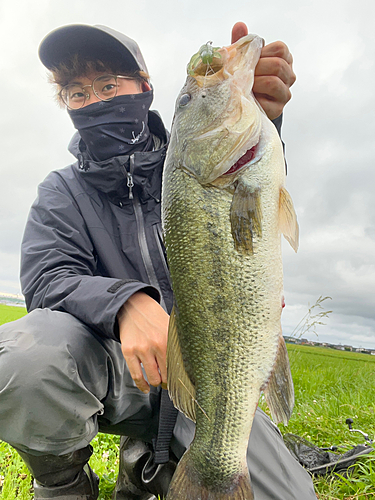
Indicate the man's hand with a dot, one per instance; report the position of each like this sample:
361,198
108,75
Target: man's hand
143,326
274,74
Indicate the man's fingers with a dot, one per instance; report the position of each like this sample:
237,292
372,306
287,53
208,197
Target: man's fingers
143,326
277,49
272,88
135,369
274,76
155,370
272,94
276,66
152,371
162,363
238,31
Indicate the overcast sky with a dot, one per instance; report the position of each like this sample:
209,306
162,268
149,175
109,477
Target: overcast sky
328,129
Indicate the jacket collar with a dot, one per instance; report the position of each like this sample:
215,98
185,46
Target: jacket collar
126,175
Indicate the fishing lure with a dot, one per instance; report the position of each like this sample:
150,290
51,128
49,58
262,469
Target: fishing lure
205,55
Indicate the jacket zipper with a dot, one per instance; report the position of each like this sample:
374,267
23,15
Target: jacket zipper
159,237
130,184
145,253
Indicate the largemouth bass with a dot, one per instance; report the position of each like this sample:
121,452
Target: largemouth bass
224,209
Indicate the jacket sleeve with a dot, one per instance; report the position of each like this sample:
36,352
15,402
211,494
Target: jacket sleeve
278,123
58,264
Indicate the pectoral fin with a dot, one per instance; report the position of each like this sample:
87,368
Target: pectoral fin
180,387
288,219
245,217
279,391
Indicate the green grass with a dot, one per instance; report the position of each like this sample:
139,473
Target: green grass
16,482
330,386
10,313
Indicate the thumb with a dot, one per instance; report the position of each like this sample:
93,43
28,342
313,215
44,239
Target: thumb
238,31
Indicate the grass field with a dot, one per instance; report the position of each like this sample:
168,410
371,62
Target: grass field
330,386
10,313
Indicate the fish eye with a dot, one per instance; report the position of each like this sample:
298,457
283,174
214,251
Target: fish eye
184,100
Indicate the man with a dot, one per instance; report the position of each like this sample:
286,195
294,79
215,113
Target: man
91,355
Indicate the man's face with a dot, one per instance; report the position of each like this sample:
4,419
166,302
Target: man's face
124,86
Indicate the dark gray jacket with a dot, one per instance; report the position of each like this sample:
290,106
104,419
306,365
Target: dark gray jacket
92,239
88,246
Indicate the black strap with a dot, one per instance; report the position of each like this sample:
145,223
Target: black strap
167,420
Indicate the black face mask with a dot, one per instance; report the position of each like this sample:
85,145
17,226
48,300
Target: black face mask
115,127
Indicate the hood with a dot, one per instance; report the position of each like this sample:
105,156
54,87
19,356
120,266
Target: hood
115,175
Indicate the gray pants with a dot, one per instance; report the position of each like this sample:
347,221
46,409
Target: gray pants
60,384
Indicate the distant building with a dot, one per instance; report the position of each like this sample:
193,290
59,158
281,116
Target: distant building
11,299
363,351
294,340
291,340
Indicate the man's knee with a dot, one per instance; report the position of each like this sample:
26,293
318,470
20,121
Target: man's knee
41,385
37,345
274,472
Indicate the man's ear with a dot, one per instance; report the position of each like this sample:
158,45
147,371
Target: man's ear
145,87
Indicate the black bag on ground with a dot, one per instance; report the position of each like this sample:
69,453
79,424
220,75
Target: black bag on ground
320,461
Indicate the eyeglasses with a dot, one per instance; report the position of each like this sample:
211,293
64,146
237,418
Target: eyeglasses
104,87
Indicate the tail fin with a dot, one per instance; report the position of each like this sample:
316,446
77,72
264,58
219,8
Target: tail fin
187,485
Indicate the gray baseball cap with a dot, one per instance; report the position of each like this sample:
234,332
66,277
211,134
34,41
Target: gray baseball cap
98,42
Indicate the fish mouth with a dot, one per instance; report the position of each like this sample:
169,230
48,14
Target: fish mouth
240,132
240,57
243,161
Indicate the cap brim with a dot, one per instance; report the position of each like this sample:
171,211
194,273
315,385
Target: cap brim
89,41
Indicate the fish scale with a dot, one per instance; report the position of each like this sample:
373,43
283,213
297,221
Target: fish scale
209,325
225,336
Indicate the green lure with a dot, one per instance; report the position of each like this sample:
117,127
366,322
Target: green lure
205,55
